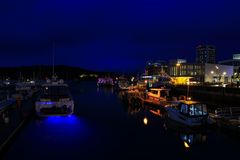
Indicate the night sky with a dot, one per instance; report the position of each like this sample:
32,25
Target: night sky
115,35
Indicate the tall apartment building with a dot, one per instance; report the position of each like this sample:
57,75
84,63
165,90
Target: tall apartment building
205,54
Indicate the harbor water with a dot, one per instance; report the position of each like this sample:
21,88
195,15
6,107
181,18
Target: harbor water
103,127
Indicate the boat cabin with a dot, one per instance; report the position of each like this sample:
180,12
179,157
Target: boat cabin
192,108
55,99
158,94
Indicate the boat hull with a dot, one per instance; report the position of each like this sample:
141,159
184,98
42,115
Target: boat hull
54,108
185,120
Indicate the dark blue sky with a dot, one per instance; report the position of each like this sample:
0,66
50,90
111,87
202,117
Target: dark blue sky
115,35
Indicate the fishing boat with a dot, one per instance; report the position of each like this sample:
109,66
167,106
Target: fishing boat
123,83
55,99
158,94
187,112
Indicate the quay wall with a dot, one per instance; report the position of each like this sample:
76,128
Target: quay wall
218,96
19,114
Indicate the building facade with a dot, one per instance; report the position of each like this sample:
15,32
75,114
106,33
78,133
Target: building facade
215,73
156,67
180,67
235,62
205,54
182,72
202,73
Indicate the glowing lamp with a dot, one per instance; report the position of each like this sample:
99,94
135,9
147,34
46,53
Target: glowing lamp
145,121
186,145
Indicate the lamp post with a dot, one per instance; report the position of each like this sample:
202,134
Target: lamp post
188,88
178,69
218,74
212,72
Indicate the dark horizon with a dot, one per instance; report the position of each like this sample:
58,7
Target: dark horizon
115,36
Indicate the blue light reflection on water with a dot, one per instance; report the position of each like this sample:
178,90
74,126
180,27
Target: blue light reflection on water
60,126
54,120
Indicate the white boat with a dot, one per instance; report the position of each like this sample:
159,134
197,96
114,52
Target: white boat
24,90
55,99
190,113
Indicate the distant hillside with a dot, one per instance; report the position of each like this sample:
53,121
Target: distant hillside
43,71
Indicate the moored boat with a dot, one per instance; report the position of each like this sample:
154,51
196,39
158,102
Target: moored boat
55,99
107,82
190,113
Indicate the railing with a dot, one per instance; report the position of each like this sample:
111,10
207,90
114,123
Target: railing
230,112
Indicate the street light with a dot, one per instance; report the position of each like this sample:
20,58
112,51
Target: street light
218,75
188,88
178,68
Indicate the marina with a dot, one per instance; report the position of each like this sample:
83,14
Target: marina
104,126
119,80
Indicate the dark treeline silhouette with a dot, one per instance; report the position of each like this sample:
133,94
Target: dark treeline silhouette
42,72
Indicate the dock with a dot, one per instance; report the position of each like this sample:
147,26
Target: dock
14,114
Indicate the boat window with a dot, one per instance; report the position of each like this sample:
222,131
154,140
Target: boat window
154,92
197,110
164,93
191,110
184,108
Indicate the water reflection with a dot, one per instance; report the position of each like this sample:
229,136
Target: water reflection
191,139
109,89
60,126
145,120
156,116
67,120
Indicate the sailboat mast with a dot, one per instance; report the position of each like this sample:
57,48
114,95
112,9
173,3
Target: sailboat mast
53,54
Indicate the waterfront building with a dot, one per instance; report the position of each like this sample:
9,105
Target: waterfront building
156,67
183,73
156,73
216,73
235,62
205,54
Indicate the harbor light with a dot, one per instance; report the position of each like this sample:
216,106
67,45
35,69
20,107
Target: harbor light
145,121
178,64
132,79
186,145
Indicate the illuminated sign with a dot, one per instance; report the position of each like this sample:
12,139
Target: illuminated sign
236,56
